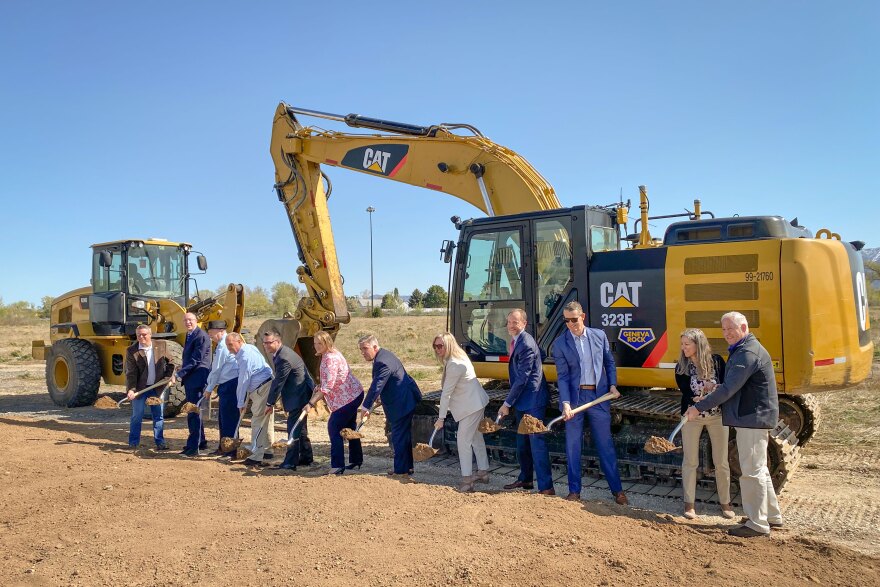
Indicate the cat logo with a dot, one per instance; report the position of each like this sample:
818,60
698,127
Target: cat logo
384,160
636,338
624,294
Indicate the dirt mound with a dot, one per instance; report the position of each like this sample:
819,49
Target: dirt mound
105,403
658,446
530,425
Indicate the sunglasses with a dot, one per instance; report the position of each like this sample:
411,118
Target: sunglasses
439,346
572,320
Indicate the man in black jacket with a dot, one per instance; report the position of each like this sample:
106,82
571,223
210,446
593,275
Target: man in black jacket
294,384
749,402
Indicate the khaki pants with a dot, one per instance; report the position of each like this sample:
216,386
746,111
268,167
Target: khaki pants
755,485
690,440
470,441
262,424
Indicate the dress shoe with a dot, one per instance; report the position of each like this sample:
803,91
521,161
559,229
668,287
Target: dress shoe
774,525
727,511
133,447
550,491
573,497
689,511
339,471
286,467
203,446
216,453
746,532
481,477
189,452
268,456
162,446
620,498
518,485
253,463
351,466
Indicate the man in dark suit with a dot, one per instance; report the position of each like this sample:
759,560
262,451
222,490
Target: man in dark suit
146,362
585,370
294,384
399,394
528,395
193,373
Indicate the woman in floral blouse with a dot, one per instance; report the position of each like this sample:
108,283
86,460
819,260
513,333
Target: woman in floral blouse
696,366
343,394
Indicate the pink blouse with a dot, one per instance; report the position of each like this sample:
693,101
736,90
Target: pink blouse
338,385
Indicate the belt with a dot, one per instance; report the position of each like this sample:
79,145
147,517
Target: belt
586,387
263,383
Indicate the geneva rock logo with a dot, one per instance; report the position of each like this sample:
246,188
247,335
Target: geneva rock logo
379,159
636,338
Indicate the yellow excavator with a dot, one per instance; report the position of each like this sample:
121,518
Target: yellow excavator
805,297
134,281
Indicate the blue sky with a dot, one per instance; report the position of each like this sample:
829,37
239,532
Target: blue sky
134,120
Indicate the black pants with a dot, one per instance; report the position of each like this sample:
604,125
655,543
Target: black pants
300,452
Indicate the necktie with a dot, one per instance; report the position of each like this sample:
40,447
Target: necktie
511,345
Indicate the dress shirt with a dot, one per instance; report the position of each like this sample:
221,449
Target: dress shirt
253,371
224,366
151,365
585,353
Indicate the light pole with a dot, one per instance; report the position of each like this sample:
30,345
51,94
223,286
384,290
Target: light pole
370,211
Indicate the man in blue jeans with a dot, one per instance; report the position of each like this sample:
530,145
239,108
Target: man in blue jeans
146,362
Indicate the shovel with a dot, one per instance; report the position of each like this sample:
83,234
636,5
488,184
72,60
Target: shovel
229,444
349,434
488,426
291,439
538,427
658,446
244,452
423,452
138,394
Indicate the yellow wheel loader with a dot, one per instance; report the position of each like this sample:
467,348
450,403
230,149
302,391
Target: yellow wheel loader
133,282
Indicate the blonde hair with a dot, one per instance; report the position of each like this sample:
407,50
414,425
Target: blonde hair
324,338
450,348
702,359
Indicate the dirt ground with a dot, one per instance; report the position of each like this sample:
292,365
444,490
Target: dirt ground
78,508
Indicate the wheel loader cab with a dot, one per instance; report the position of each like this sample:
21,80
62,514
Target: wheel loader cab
127,274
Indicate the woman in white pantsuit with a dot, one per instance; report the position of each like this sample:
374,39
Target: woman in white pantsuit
696,367
465,399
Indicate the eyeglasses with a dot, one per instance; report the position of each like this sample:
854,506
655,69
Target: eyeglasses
144,334
273,341
439,346
572,320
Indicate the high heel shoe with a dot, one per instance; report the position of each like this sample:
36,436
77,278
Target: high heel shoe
352,466
338,471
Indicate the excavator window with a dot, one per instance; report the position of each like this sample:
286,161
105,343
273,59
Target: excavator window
603,238
493,267
554,266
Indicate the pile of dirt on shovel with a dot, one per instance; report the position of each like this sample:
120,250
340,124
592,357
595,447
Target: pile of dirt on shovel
105,403
488,426
530,425
349,434
243,453
229,444
423,452
658,446
154,401
189,408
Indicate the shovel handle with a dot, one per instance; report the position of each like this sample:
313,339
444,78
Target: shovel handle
579,409
431,440
677,428
302,416
364,419
143,391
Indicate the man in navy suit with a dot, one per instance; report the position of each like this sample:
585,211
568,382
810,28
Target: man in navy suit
399,394
528,395
193,373
585,370
294,384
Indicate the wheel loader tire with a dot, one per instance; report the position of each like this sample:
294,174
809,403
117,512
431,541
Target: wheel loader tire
73,373
176,396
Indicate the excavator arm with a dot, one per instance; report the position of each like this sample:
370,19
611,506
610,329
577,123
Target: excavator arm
470,167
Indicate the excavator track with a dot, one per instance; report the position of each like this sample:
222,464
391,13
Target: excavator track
636,416
801,414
